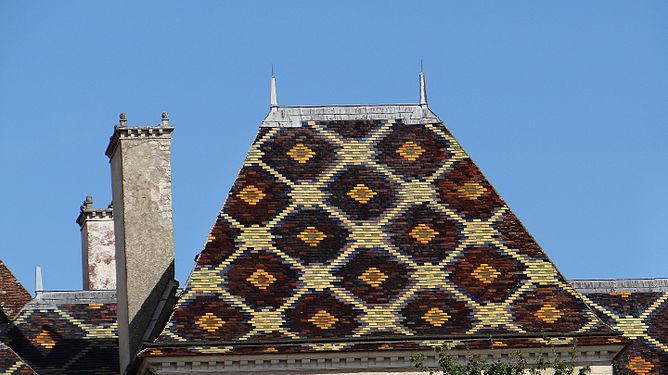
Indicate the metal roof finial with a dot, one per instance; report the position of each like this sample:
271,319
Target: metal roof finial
39,287
423,86
273,101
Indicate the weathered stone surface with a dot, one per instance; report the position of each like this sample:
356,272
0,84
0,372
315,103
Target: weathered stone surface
97,247
141,184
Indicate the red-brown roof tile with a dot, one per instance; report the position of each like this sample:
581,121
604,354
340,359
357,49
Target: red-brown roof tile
13,296
638,309
349,230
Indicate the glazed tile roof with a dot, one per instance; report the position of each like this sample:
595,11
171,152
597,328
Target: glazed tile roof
638,309
360,227
13,296
66,333
11,363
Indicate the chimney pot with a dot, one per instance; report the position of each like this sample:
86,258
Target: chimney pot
165,119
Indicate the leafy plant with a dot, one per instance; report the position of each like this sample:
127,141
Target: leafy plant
516,364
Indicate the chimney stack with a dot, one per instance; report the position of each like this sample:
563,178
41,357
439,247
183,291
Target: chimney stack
97,246
142,196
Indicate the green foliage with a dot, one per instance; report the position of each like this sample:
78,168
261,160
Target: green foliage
515,365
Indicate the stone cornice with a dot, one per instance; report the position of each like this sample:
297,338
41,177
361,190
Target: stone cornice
123,131
333,361
95,214
88,213
137,132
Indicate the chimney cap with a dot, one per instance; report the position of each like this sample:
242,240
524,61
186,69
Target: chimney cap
88,212
122,130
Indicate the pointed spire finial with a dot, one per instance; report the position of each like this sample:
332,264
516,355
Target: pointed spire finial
38,279
423,86
273,100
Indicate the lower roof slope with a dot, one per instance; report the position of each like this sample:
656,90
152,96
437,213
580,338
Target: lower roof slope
67,333
638,309
358,228
12,364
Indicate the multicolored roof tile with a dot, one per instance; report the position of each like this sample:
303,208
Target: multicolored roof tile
67,333
13,296
638,309
12,364
354,224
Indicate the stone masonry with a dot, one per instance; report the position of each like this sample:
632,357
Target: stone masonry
97,246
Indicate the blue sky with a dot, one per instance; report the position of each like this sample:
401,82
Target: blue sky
563,105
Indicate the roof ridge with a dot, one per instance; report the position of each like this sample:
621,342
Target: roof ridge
409,114
53,298
643,285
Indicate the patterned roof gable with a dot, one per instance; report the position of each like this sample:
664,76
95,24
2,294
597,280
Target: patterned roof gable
344,228
13,296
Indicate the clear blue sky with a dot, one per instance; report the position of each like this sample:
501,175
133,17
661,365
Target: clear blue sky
563,105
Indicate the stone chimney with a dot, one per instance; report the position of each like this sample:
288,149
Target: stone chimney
98,253
142,196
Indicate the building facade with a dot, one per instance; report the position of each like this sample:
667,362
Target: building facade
353,238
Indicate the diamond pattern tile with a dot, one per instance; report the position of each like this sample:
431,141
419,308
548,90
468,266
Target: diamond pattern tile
368,228
642,316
